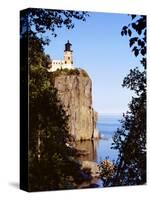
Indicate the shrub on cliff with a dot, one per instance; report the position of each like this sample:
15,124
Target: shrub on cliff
84,73
67,71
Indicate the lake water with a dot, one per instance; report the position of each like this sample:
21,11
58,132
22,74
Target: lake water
98,150
107,125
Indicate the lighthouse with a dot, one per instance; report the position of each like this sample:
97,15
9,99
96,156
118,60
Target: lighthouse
68,58
66,63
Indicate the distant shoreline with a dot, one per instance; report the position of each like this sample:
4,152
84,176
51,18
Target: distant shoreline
110,114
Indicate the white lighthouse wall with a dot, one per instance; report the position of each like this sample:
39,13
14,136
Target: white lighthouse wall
59,64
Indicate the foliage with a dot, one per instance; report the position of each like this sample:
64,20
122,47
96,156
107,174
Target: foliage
137,43
67,71
73,72
51,159
32,52
51,163
106,169
36,56
84,73
36,22
130,139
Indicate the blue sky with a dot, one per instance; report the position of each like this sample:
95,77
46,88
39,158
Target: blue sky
99,48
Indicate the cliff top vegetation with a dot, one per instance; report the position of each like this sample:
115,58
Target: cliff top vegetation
66,71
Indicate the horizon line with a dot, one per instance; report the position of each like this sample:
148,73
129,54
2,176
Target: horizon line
103,113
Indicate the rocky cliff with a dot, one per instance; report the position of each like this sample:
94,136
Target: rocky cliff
75,93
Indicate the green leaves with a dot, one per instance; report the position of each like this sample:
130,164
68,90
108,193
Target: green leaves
39,21
133,16
130,139
132,41
50,166
143,51
136,52
129,32
49,124
126,31
137,26
50,157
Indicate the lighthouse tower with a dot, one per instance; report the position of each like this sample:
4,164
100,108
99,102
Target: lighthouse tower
68,58
66,63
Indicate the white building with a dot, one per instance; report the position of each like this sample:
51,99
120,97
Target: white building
67,62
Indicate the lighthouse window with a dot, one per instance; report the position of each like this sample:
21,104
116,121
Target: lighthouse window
68,58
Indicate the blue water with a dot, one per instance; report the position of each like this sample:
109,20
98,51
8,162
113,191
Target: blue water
100,150
107,125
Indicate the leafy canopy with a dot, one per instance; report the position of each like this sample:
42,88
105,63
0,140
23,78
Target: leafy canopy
130,139
51,158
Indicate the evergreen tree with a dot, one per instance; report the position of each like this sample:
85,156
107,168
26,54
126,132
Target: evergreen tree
130,139
51,156
51,160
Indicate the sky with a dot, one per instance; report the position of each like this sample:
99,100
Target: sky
99,48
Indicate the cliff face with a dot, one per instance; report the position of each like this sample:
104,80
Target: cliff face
75,93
